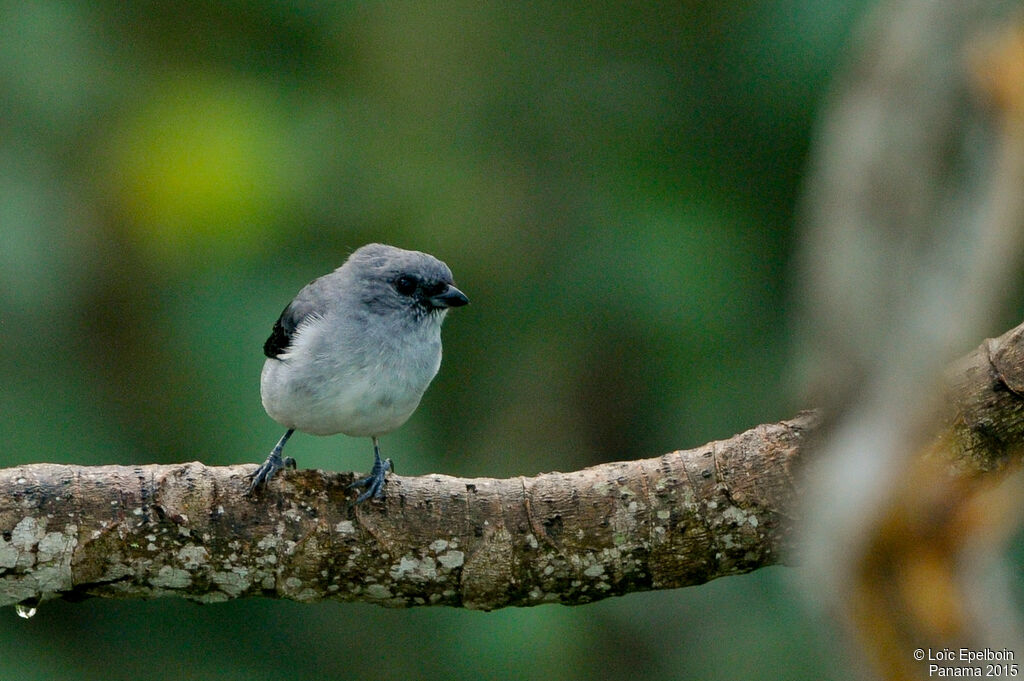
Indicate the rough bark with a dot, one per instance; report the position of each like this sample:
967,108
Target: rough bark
986,403
188,530
677,520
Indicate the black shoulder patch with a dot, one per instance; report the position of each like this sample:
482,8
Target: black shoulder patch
281,336
291,317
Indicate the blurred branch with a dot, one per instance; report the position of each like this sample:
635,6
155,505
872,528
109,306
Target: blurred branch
915,231
677,520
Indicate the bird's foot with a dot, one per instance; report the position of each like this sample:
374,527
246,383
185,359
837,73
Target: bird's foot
262,475
374,483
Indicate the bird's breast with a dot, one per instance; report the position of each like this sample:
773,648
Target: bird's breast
366,386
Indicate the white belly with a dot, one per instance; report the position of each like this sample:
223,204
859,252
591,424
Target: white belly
324,395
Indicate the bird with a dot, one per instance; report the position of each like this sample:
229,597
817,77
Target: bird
354,352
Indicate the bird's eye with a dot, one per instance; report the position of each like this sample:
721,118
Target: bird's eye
405,284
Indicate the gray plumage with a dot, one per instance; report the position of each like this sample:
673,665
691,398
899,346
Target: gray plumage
355,350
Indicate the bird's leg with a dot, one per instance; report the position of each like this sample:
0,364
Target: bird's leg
259,477
374,483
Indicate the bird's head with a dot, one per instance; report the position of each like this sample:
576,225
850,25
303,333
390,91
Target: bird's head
392,278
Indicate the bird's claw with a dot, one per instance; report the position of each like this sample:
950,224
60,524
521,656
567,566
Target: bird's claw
262,475
374,482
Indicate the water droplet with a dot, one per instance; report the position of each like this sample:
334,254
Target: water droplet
27,608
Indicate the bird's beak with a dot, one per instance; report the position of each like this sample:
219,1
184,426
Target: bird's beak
449,297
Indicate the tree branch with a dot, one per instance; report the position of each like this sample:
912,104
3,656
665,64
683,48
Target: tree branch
680,519
677,520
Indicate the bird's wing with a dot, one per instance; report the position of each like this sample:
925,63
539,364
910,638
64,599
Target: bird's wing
309,303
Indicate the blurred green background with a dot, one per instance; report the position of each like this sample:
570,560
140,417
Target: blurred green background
613,186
